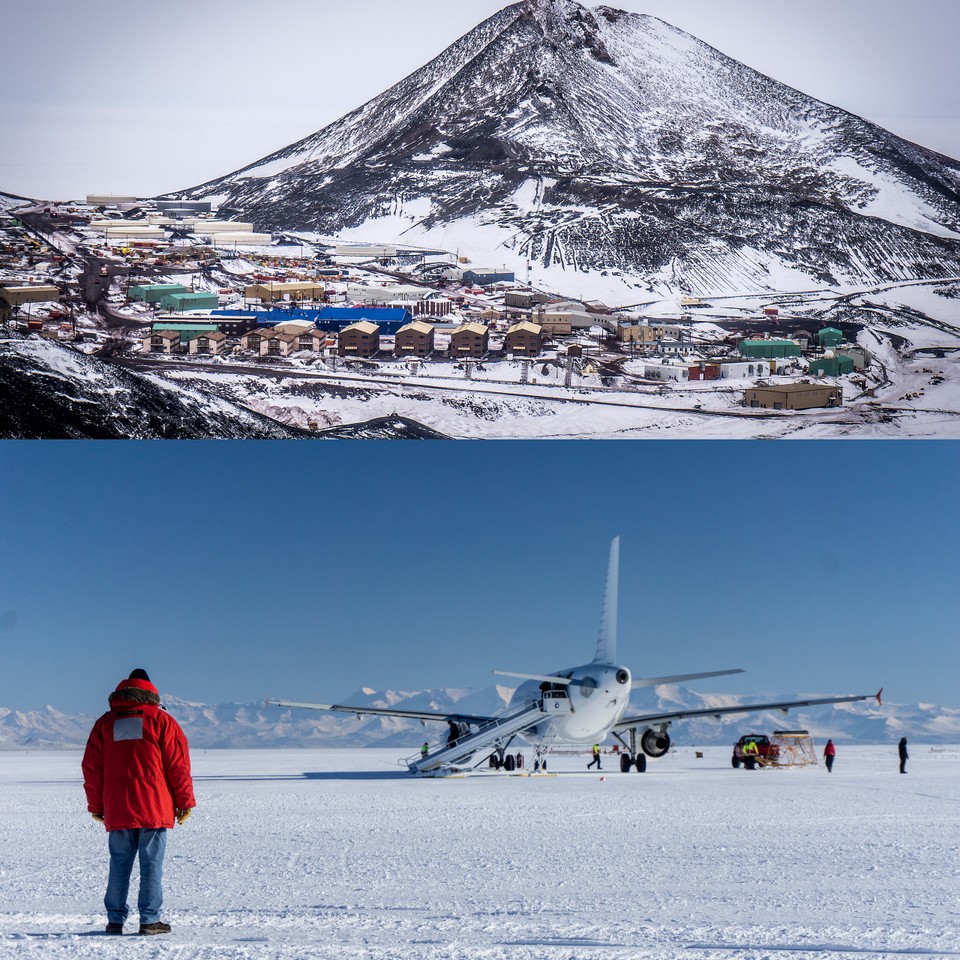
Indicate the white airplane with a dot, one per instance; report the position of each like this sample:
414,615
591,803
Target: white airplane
581,705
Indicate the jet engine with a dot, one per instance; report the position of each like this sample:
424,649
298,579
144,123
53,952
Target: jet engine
655,743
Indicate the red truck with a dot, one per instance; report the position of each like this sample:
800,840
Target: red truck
767,753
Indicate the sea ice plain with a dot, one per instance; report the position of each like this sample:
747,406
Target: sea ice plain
341,854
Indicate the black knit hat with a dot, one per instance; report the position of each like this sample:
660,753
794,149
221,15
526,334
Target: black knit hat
139,674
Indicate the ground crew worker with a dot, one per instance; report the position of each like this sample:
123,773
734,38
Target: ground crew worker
424,750
904,756
751,754
829,753
596,757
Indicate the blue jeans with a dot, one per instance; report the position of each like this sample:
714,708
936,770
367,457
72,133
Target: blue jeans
124,846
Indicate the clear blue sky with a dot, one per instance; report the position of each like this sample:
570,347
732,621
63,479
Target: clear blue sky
109,96
306,570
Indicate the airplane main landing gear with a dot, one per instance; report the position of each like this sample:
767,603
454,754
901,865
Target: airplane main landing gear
627,763
499,759
631,756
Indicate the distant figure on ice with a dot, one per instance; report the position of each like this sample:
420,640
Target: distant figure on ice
136,774
904,756
519,760
424,750
829,752
596,757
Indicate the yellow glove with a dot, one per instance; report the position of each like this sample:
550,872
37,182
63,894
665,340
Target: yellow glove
98,817
183,814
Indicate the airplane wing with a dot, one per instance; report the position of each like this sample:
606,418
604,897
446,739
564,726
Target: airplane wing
717,712
383,711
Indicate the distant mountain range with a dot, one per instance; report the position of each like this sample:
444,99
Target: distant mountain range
244,725
615,153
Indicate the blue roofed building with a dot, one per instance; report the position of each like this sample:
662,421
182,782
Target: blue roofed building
388,319
332,319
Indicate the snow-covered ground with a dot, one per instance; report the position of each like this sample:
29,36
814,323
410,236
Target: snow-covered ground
339,854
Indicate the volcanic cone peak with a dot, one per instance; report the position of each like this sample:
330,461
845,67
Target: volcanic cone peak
569,141
565,23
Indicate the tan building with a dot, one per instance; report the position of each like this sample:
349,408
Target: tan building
568,312
208,342
414,340
313,340
251,340
162,341
793,396
279,345
647,332
555,324
271,292
523,338
469,340
361,339
11,297
525,299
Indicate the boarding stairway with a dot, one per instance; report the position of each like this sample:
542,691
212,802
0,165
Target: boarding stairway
494,733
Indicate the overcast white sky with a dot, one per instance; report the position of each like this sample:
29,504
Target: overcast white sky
128,96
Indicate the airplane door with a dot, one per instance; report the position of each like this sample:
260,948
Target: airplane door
556,702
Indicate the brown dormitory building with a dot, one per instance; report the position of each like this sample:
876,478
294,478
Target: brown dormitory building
361,339
469,340
523,338
415,339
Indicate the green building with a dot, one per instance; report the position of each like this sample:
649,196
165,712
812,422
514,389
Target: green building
178,302
186,330
829,337
154,292
831,366
769,349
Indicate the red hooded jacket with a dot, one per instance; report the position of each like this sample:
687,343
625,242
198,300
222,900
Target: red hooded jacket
136,768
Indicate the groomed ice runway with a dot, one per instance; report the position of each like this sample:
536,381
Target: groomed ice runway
338,854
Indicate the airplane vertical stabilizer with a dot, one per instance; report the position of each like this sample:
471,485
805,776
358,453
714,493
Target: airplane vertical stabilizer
607,640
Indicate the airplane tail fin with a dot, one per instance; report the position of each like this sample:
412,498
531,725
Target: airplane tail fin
607,638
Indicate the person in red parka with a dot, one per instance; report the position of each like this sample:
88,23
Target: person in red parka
136,774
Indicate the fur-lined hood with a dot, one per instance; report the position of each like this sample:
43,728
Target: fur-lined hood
136,694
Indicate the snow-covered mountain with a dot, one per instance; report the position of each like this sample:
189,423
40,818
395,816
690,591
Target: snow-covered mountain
258,725
613,151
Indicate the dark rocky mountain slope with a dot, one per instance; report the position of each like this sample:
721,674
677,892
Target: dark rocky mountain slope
48,391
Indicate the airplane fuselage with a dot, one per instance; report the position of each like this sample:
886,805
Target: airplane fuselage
584,704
